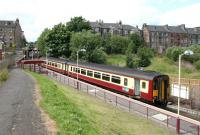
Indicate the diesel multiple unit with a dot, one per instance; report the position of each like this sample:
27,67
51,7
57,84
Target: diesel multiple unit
149,86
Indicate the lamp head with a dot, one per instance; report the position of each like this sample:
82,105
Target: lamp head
188,52
83,50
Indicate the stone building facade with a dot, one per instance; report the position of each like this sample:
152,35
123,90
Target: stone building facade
113,28
11,34
161,37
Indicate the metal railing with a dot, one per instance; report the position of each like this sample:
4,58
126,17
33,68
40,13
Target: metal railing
180,124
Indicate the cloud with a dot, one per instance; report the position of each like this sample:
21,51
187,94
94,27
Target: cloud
187,15
35,15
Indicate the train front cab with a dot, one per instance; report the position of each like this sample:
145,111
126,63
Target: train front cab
161,90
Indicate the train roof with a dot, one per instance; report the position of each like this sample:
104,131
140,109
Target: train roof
147,75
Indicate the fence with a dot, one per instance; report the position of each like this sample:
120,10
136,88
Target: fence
171,120
193,86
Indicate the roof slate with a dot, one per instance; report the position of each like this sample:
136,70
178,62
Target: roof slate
112,25
172,29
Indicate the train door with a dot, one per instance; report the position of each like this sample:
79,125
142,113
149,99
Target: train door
137,87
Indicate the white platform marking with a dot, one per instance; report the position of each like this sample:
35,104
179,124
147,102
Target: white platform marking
160,117
93,90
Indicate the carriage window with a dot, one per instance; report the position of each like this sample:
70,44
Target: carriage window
58,65
71,68
55,65
83,71
106,77
144,85
90,73
78,70
125,81
52,64
97,75
116,79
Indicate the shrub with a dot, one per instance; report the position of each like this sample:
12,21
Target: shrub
3,75
132,61
173,53
197,64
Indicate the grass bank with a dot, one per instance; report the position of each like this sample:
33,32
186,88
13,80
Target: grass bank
77,113
167,66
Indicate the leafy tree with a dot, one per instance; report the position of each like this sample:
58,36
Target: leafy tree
78,24
118,44
137,41
145,52
58,40
89,41
41,41
98,56
132,61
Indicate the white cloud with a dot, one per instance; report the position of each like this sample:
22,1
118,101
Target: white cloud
188,15
35,15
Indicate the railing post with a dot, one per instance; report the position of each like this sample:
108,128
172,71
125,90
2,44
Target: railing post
95,91
167,120
129,105
116,100
147,112
178,125
104,96
87,89
197,130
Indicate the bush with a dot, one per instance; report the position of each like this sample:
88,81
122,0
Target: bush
197,65
4,75
173,53
98,56
132,61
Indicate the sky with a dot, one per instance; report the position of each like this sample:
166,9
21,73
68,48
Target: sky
36,15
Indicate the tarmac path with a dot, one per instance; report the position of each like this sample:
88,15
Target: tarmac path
19,114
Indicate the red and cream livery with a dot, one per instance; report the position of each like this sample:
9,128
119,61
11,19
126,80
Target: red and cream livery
147,85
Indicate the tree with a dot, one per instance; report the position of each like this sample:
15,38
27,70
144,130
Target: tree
132,60
78,24
137,41
41,41
118,44
89,41
98,56
58,40
144,54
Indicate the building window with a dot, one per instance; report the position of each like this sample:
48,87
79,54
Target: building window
144,85
83,71
106,77
116,79
125,81
97,75
89,73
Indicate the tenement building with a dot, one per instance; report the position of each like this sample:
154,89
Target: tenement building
161,37
11,34
113,28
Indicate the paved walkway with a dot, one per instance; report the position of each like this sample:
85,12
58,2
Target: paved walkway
18,113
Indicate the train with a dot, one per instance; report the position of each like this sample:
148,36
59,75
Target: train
148,86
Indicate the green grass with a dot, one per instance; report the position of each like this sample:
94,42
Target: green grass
116,60
3,75
167,66
77,113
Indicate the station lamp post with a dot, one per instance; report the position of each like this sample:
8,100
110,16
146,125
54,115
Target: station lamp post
47,58
188,53
77,54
